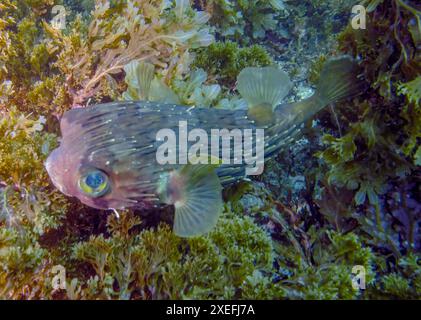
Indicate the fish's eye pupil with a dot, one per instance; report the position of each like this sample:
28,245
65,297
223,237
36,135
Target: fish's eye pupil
94,179
94,183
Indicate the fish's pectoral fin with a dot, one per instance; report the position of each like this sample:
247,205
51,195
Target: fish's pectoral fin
196,193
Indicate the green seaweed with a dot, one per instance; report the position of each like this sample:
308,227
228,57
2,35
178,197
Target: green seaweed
236,19
223,61
156,264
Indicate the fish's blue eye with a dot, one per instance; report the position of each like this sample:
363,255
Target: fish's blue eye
94,180
94,183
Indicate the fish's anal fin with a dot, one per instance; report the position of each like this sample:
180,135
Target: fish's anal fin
196,193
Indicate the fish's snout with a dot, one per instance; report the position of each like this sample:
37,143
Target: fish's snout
49,163
52,165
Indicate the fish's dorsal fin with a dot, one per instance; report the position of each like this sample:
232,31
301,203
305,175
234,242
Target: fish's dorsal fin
196,193
263,89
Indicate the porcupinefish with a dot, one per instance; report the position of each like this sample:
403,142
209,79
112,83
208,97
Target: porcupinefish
107,153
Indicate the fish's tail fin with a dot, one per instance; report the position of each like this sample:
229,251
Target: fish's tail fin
338,80
263,89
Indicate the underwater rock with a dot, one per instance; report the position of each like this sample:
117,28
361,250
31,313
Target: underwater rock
252,202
